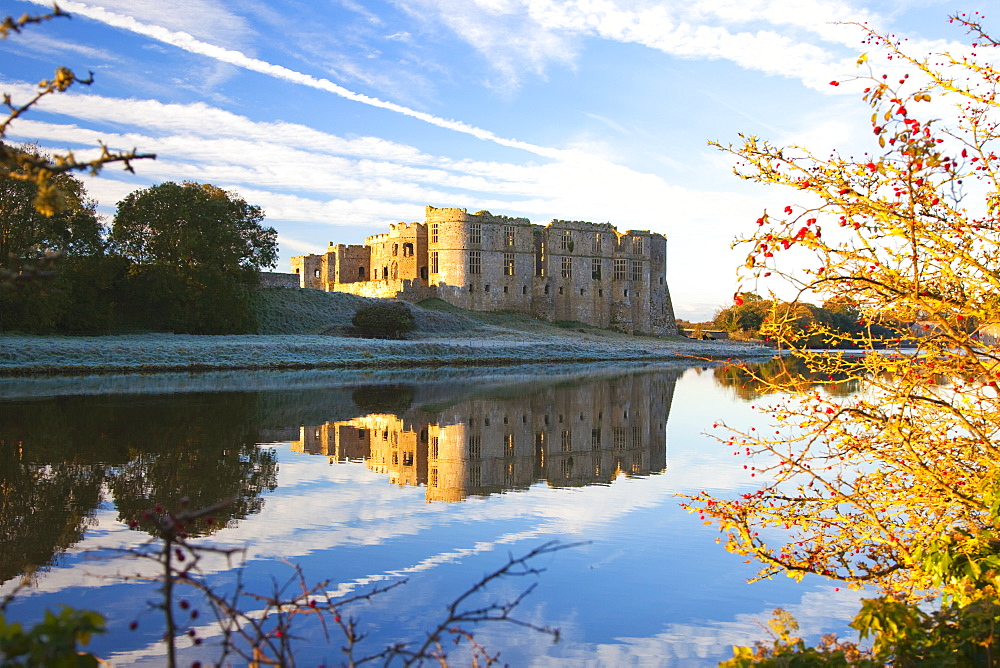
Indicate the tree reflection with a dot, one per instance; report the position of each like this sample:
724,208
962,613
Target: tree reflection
45,508
57,455
752,381
195,449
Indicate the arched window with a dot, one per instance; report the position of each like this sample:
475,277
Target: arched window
407,250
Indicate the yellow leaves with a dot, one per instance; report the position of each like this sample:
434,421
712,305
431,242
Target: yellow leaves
862,59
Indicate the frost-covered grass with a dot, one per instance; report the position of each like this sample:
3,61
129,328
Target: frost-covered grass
302,329
483,347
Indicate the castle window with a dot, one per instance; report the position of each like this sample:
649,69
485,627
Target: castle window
476,233
407,250
505,289
395,270
636,270
625,293
595,269
475,447
434,446
434,233
600,293
432,478
582,292
567,440
395,249
566,241
560,290
621,266
596,243
546,289
595,439
296,270
567,267
407,459
508,235
475,476
524,289
619,437
486,288
361,433
361,272
434,262
423,273
637,245
475,262
471,287
509,445
508,264
385,272
316,273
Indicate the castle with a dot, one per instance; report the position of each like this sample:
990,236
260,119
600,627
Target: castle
563,271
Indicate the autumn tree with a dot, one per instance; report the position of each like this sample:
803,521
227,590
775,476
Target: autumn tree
197,251
898,486
40,169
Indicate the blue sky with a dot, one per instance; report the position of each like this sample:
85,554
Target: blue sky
339,117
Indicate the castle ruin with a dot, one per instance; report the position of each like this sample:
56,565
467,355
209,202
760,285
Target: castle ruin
563,271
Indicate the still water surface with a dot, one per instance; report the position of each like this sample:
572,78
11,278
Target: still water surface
368,478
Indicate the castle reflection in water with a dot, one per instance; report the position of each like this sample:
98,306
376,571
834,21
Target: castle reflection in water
572,434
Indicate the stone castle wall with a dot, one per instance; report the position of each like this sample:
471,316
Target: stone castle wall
564,271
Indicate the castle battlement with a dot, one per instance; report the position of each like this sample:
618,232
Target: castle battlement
562,271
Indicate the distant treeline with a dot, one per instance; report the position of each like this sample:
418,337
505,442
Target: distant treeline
835,324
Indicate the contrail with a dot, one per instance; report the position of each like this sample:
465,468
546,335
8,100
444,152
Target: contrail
183,40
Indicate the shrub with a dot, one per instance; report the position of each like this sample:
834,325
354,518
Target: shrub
392,320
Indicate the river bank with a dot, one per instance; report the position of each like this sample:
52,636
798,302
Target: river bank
482,346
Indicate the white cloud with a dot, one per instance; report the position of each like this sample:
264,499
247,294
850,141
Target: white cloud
205,19
187,42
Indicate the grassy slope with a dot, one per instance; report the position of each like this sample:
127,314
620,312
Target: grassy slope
284,311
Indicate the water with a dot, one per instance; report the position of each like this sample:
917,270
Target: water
367,478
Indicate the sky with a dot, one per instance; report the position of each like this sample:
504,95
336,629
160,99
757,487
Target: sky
339,117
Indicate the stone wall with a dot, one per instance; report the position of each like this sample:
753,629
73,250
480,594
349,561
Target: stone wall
274,279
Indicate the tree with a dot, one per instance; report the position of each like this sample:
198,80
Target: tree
745,316
897,487
30,241
197,251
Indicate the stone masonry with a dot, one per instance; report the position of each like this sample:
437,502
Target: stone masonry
563,271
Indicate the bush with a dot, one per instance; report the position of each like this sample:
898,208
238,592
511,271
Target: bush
383,321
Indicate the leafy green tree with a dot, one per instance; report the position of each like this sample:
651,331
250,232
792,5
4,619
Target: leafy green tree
746,315
30,241
197,252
